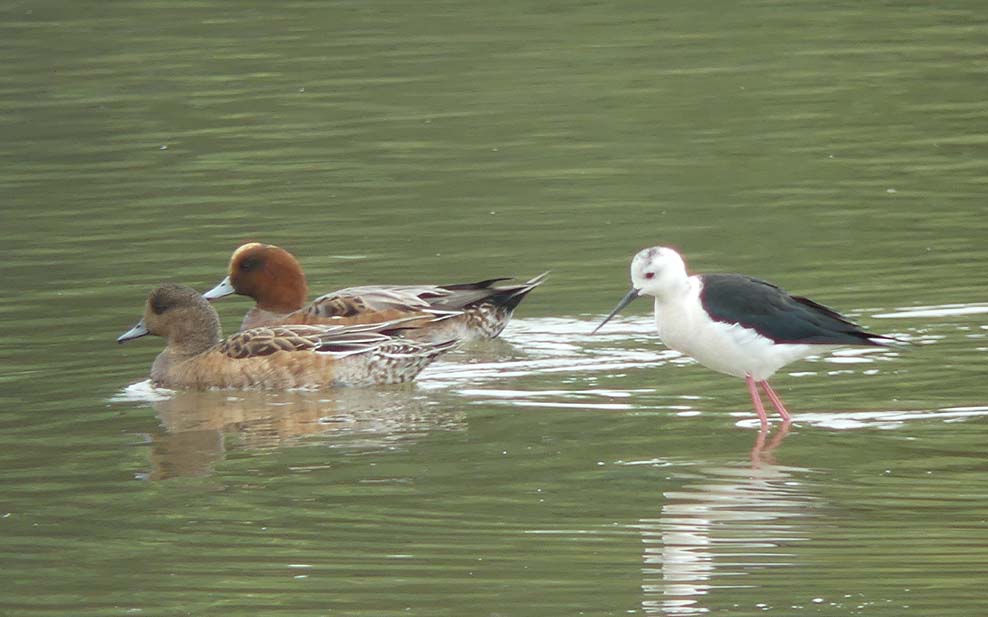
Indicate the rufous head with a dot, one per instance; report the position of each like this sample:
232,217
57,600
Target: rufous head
269,274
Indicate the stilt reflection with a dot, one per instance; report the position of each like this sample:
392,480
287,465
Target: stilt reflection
713,531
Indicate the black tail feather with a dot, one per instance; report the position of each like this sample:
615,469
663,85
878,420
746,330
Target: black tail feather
478,285
510,297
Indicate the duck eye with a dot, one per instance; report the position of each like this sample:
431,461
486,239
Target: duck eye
249,264
158,307
650,275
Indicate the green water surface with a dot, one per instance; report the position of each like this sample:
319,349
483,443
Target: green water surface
839,149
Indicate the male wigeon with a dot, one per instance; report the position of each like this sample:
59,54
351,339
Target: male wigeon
274,279
295,356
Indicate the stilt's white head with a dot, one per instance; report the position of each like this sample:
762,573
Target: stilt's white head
658,271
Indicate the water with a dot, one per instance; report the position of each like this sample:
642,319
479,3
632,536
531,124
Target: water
836,149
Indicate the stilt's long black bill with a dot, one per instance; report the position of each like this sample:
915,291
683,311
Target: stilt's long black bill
625,301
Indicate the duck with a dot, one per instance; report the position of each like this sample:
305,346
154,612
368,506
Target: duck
273,278
736,324
197,357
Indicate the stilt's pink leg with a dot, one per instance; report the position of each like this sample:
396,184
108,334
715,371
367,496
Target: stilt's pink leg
756,400
776,401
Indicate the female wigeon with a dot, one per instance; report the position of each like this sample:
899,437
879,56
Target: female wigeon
274,279
296,356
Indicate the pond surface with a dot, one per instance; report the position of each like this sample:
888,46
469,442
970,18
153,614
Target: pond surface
838,149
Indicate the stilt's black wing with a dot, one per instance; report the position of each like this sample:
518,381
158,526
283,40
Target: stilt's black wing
773,313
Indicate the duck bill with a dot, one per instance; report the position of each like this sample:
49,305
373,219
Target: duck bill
625,301
224,289
136,332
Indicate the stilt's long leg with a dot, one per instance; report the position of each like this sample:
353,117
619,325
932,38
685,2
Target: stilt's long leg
776,401
756,400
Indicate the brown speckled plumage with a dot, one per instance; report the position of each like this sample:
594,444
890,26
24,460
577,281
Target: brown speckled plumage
291,356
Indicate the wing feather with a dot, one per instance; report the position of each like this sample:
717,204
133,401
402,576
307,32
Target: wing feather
769,310
332,340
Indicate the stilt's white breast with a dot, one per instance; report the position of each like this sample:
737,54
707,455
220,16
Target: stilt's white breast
683,325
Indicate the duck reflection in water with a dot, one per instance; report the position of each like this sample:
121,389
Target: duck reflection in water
197,428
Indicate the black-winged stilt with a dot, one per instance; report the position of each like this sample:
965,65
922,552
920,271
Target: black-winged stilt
736,324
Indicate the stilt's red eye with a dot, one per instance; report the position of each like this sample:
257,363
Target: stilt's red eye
650,275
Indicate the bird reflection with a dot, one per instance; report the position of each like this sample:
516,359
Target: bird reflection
763,453
198,427
733,520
